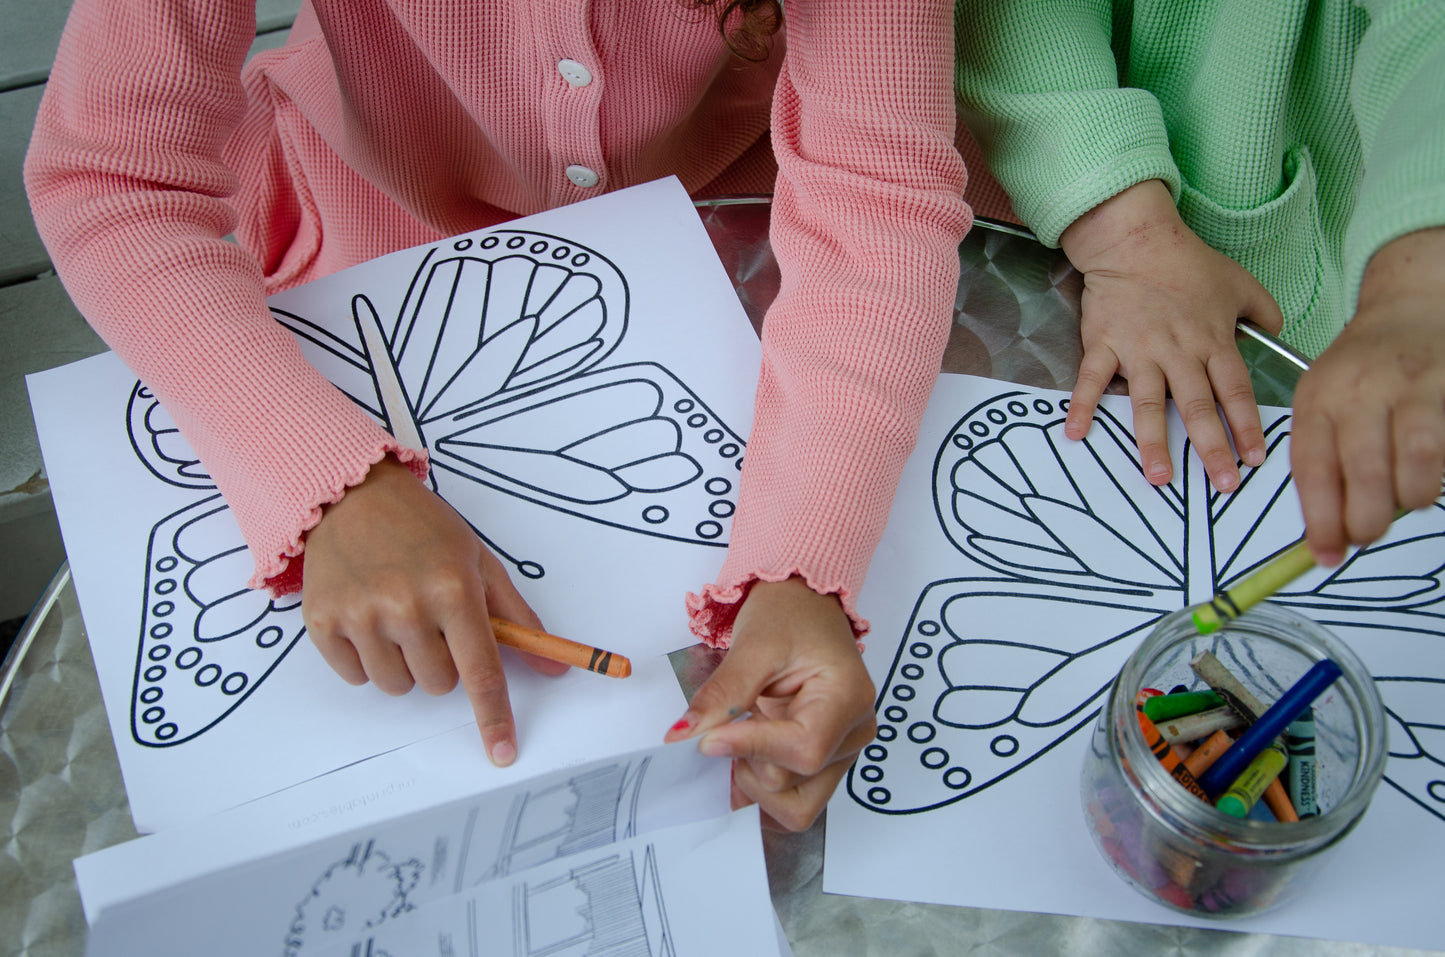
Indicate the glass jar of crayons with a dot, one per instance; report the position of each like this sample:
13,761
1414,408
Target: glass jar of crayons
1263,748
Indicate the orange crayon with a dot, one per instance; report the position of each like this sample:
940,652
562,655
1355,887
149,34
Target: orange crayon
572,653
1203,756
1167,757
1276,798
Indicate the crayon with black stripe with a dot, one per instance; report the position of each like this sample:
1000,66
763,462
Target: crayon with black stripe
1167,756
1299,742
568,652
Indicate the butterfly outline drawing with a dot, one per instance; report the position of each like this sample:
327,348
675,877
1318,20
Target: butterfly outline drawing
1083,558
492,363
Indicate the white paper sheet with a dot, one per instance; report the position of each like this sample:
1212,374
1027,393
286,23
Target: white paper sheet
416,778
1018,571
627,852
595,433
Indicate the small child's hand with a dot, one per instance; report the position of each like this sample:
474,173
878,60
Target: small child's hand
1368,436
794,664
1159,308
397,589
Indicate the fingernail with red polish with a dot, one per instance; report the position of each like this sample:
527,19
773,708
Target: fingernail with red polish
684,724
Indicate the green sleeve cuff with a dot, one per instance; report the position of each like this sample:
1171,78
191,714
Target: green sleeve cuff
1061,154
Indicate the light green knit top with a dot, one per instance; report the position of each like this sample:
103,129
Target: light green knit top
1297,136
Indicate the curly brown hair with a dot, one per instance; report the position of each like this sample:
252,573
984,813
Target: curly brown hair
747,25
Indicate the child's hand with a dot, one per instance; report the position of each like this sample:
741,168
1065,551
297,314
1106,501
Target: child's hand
794,664
1369,416
1159,308
397,589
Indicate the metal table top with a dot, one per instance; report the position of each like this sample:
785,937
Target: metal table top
1016,318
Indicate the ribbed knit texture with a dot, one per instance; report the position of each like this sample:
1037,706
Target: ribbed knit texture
1297,136
384,124
868,248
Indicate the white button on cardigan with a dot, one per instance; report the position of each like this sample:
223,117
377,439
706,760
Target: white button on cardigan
582,176
574,72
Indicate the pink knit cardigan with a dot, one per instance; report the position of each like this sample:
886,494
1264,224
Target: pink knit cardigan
388,123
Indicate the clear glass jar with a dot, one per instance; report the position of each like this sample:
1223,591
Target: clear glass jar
1180,850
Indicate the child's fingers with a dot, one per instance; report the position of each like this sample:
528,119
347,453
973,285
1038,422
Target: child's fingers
1314,461
1260,307
1230,379
1151,430
1096,371
337,652
504,601
384,663
817,730
430,662
479,668
791,764
793,808
1198,408
725,696
780,764
1419,445
1366,460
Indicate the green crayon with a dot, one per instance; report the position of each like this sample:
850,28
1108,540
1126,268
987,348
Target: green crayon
1250,785
1163,707
1285,567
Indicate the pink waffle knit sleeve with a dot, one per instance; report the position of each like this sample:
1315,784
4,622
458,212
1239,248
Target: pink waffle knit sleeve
128,190
867,220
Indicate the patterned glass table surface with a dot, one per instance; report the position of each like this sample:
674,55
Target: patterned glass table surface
1016,318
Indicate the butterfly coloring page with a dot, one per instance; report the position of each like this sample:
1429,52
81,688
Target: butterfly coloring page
491,365
1048,561
582,387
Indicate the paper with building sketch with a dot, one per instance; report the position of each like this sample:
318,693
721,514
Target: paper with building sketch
1018,571
583,380
681,786
620,856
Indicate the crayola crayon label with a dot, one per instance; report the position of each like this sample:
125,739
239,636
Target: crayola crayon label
1167,756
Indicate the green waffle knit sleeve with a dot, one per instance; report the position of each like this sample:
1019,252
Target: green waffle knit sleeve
1038,86
1397,93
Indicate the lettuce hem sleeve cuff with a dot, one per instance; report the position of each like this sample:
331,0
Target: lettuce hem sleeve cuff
712,612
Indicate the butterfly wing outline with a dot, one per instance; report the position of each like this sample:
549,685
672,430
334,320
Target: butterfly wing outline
206,640
491,363
964,706
1081,576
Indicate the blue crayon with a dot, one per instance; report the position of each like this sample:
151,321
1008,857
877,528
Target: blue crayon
1267,727
1299,741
